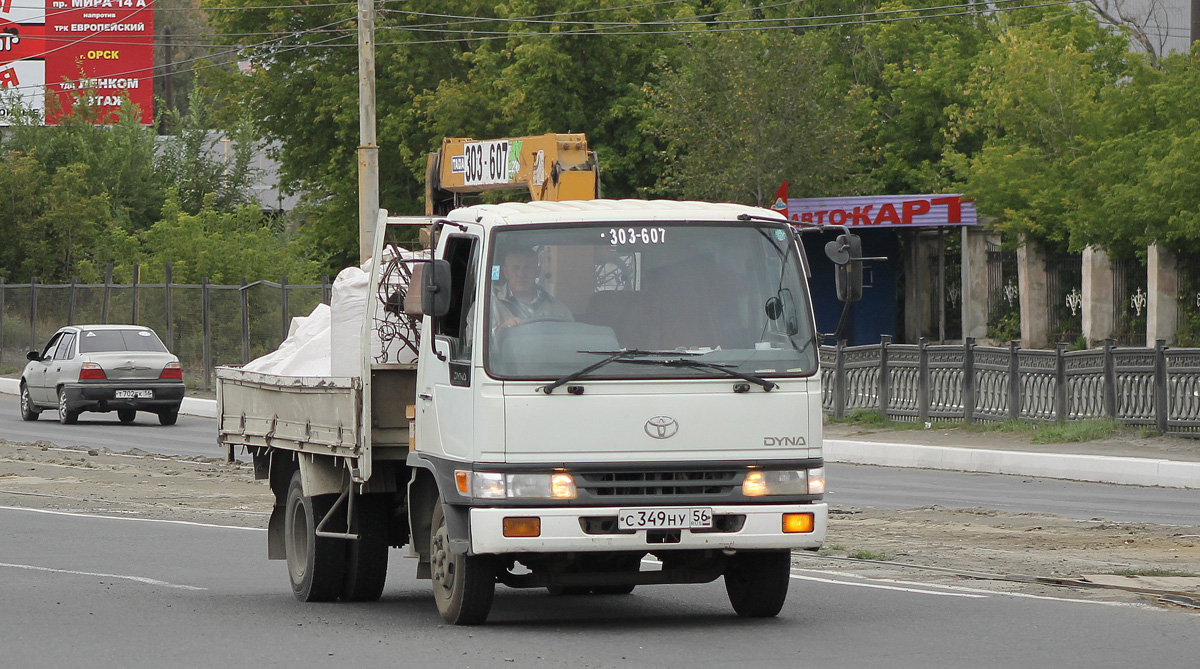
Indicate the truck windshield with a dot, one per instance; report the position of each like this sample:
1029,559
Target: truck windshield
725,296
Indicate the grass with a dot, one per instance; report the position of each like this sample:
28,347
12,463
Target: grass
1084,430
1038,433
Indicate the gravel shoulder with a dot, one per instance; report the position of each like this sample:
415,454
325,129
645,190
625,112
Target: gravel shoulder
1019,553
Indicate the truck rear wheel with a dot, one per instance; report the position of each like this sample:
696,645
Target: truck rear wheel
463,585
757,582
367,558
315,564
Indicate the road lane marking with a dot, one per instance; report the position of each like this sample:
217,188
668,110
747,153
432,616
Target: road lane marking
879,586
141,520
980,591
136,579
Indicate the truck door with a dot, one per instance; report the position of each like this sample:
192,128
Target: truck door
446,399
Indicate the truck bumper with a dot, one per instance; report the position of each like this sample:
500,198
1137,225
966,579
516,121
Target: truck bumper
588,529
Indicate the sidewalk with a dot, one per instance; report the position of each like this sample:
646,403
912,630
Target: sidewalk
1130,458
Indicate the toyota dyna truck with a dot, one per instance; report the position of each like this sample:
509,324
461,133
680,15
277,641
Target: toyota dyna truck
605,395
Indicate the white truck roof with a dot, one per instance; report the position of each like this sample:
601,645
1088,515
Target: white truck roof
519,213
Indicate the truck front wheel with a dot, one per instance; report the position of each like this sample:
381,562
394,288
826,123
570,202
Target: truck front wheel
463,585
757,582
315,564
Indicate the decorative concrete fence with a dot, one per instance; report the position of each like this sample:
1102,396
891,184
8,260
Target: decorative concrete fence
1157,386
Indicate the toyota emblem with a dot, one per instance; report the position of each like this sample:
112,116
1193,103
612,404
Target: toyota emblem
662,427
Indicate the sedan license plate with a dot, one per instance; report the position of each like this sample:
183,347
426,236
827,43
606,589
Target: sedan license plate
135,394
665,519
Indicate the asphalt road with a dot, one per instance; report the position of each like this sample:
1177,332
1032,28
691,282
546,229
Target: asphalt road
101,592
849,485
190,436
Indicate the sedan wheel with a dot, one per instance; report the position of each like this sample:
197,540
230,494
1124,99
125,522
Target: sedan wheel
66,416
28,410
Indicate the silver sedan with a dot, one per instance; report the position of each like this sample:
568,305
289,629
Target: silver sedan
122,368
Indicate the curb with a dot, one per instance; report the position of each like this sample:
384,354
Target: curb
1095,468
191,406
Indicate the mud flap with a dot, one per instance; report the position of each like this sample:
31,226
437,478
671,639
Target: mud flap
275,547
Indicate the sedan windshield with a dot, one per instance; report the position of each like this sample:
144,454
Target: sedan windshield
96,341
687,300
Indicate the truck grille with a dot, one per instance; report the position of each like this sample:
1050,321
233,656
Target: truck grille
658,484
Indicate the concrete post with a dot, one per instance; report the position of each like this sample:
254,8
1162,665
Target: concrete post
974,283
1032,280
1099,312
1162,314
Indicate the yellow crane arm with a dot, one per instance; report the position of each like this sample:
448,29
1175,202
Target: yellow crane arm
552,167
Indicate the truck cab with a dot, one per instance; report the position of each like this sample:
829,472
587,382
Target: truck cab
610,380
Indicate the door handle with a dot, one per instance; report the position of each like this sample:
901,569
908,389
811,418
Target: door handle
428,397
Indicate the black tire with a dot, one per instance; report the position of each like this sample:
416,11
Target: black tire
66,416
126,415
168,416
757,582
315,564
367,558
463,585
29,410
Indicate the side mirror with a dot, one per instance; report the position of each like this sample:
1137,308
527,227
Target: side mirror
34,356
846,253
435,288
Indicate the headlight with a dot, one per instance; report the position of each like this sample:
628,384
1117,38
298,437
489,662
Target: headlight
764,482
494,485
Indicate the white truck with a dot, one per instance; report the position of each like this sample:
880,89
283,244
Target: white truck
648,411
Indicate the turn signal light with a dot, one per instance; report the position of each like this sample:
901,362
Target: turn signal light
172,370
523,527
90,370
796,523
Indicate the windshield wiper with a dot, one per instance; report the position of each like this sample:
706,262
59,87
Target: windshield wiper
613,356
700,364
639,356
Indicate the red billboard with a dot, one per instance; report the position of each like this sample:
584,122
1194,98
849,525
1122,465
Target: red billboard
55,51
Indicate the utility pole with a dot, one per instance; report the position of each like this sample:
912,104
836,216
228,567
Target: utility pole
1195,21
368,148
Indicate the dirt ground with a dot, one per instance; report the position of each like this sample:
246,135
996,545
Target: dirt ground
1023,553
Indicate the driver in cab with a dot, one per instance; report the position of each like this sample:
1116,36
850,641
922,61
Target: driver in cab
519,299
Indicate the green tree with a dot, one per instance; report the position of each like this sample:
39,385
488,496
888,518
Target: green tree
199,161
912,73
221,245
1037,94
741,112
526,67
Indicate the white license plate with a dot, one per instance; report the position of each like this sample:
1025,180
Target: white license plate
674,518
135,394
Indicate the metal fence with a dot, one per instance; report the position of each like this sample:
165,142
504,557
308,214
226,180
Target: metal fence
1004,295
205,324
1064,283
1158,386
1188,302
1130,301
